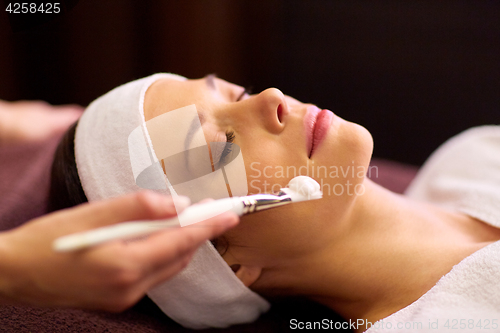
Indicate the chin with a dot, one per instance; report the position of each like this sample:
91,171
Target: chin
350,142
365,143
347,157
361,149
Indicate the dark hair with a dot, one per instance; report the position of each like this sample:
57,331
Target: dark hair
65,187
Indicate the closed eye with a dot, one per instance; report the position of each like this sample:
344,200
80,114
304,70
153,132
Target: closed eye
228,147
221,150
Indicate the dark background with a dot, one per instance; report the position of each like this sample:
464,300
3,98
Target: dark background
413,72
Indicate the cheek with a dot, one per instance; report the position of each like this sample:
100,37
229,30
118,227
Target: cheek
265,177
269,167
280,233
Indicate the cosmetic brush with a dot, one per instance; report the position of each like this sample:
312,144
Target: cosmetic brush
301,188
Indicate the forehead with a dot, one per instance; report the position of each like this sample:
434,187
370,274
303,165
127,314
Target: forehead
167,94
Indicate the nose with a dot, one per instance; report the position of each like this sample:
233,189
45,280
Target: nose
271,107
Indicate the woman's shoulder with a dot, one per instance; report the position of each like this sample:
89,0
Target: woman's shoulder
464,174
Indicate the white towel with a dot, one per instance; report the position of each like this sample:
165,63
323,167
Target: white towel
462,175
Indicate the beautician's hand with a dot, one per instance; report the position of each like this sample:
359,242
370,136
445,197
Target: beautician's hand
30,121
112,276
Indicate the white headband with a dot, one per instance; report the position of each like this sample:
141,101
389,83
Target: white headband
206,293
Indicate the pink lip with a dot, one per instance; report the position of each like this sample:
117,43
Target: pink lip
317,123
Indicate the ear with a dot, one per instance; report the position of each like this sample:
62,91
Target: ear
247,274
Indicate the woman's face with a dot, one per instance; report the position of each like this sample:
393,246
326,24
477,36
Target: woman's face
278,138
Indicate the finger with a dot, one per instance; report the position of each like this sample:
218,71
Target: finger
166,272
204,201
163,247
145,205
61,119
71,107
153,279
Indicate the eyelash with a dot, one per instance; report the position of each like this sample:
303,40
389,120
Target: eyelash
230,136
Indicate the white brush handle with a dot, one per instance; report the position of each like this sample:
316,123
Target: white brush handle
301,188
130,230
197,213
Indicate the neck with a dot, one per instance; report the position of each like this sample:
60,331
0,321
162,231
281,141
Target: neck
389,252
